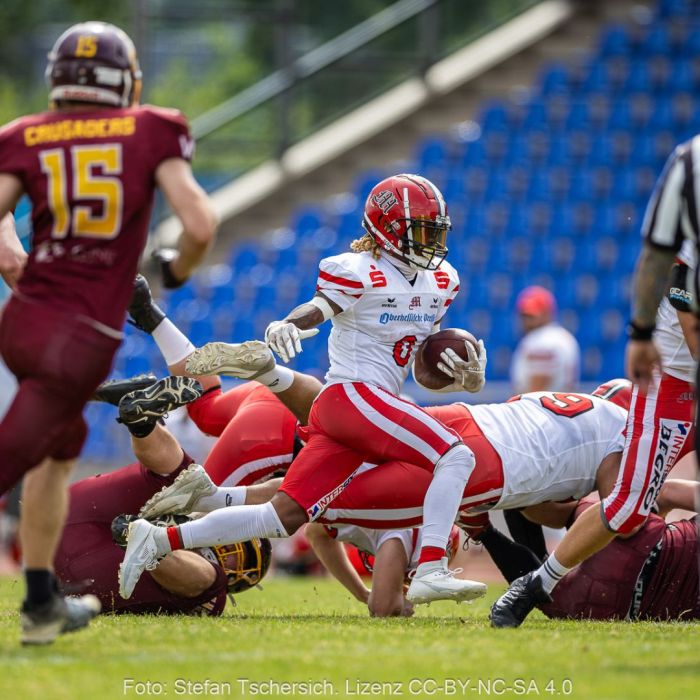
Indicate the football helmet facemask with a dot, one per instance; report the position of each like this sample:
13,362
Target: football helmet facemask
619,391
407,216
244,563
94,62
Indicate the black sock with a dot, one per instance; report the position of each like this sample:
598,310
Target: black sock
41,585
142,429
526,533
513,560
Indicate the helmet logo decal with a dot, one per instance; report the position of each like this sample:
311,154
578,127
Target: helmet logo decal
86,46
385,200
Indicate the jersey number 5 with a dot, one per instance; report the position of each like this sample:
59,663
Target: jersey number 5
87,188
403,349
568,405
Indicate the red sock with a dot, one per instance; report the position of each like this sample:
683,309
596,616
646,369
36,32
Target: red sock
431,554
174,538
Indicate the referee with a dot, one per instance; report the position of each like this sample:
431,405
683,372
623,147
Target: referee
671,217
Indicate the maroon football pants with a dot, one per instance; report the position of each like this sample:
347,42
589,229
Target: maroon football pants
59,361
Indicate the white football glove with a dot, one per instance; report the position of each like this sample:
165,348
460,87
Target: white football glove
285,338
469,375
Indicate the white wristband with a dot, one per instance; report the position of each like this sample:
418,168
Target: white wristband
323,306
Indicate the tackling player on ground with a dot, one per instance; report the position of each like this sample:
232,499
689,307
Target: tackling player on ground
90,167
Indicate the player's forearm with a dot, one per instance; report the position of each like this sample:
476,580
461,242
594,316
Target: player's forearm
192,250
305,316
12,256
261,493
678,493
331,554
650,282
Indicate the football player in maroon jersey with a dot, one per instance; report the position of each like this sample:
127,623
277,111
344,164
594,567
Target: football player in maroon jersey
652,575
90,166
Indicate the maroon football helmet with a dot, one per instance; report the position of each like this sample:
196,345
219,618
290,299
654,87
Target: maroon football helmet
94,62
407,216
619,391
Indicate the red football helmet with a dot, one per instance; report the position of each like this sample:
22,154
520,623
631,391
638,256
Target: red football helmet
94,62
619,391
407,216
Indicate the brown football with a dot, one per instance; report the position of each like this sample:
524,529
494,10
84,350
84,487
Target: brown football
428,356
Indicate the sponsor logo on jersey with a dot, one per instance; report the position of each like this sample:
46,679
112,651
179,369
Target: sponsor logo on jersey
386,317
672,437
415,303
321,505
186,146
389,303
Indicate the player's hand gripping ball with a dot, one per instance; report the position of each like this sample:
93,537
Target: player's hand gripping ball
451,360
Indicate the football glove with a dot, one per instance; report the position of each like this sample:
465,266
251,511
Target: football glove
285,338
469,375
165,256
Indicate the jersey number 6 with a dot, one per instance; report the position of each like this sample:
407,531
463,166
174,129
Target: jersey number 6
403,349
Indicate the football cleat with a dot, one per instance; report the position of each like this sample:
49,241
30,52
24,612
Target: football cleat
114,390
182,495
157,400
42,624
518,601
145,313
434,581
120,525
242,360
142,554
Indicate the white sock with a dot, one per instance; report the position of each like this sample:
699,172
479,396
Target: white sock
172,343
551,572
279,378
234,524
224,497
445,494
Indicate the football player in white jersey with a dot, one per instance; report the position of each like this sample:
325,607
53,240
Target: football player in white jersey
660,430
384,298
389,555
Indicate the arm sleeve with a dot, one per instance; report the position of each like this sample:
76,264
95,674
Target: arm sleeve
679,295
662,226
339,283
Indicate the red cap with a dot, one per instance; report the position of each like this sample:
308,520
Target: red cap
534,301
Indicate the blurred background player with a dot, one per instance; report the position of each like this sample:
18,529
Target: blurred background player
398,265
547,358
90,167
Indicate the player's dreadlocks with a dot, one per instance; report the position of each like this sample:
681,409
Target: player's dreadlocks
366,244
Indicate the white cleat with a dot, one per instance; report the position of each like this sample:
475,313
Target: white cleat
141,555
242,360
434,581
190,485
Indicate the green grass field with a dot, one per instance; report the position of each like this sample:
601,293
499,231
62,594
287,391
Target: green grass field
301,630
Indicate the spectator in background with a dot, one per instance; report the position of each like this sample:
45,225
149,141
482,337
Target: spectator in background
546,359
548,356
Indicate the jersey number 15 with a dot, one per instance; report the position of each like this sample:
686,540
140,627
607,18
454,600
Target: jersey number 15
70,202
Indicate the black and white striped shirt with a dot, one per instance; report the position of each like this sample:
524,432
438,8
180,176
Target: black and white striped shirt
672,212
